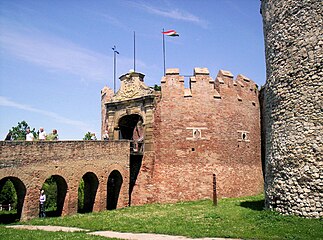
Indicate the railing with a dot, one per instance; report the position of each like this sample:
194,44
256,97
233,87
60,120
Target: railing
4,207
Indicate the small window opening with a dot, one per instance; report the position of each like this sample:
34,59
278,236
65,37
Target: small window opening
244,136
193,149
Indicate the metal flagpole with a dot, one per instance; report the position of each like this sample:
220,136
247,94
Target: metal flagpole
114,67
164,52
134,51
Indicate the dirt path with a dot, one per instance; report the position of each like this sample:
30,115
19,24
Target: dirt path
128,236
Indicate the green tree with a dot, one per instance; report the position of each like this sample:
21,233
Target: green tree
50,188
8,194
157,88
19,132
81,196
87,136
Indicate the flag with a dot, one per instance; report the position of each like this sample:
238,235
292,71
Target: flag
171,33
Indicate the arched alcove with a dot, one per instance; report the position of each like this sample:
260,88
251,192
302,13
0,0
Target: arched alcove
87,191
126,125
19,191
55,190
113,189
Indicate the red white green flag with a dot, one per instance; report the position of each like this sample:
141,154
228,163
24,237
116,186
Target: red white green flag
171,33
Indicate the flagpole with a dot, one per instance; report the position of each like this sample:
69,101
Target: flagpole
114,67
134,51
164,52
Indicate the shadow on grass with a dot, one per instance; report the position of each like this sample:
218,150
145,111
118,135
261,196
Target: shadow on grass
6,218
257,205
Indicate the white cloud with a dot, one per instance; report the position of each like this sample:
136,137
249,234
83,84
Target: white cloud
54,53
172,13
79,124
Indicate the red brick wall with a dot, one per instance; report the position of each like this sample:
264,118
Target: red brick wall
181,168
34,162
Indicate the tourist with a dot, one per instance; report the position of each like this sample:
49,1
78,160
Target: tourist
93,137
106,135
42,200
29,135
8,137
138,135
42,134
52,136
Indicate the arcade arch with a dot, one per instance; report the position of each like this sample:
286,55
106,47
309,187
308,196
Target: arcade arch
55,189
87,192
20,189
114,184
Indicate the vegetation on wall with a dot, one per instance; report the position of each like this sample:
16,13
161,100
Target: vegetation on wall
19,132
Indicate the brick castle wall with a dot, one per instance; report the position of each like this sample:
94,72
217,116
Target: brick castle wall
33,162
213,127
293,116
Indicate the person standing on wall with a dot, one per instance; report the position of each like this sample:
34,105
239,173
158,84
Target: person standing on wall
42,134
138,135
42,200
105,136
29,135
52,136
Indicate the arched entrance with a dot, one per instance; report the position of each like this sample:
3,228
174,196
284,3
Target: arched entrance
55,190
87,192
126,125
113,189
15,192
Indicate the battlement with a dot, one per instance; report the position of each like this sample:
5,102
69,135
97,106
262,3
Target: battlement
202,84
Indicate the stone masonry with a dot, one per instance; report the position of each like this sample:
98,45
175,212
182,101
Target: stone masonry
29,164
293,106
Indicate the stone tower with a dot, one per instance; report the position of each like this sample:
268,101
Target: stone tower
293,106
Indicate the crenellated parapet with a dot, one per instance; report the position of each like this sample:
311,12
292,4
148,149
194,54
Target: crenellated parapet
201,84
242,86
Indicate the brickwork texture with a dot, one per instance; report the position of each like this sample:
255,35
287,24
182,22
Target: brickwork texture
29,164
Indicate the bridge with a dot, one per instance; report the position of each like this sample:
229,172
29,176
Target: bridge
104,167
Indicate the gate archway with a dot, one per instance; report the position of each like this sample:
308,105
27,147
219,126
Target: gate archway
127,124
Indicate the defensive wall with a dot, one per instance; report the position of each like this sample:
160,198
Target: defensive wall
212,127
104,167
293,106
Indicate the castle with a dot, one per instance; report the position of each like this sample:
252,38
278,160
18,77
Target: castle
200,141
210,129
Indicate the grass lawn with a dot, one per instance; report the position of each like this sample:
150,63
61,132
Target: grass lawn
234,218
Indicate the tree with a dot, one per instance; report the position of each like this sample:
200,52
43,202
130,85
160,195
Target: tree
19,132
157,88
80,198
50,188
8,194
87,136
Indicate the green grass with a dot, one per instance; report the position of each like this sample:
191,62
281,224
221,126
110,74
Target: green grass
234,218
15,234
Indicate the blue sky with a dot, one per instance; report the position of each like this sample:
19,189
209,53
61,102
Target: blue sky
56,56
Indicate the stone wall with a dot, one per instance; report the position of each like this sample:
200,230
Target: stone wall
29,164
293,107
213,127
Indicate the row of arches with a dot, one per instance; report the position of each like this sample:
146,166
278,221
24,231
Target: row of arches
55,189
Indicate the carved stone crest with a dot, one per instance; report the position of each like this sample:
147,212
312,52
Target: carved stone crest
132,86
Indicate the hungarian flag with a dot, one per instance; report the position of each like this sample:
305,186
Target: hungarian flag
171,33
